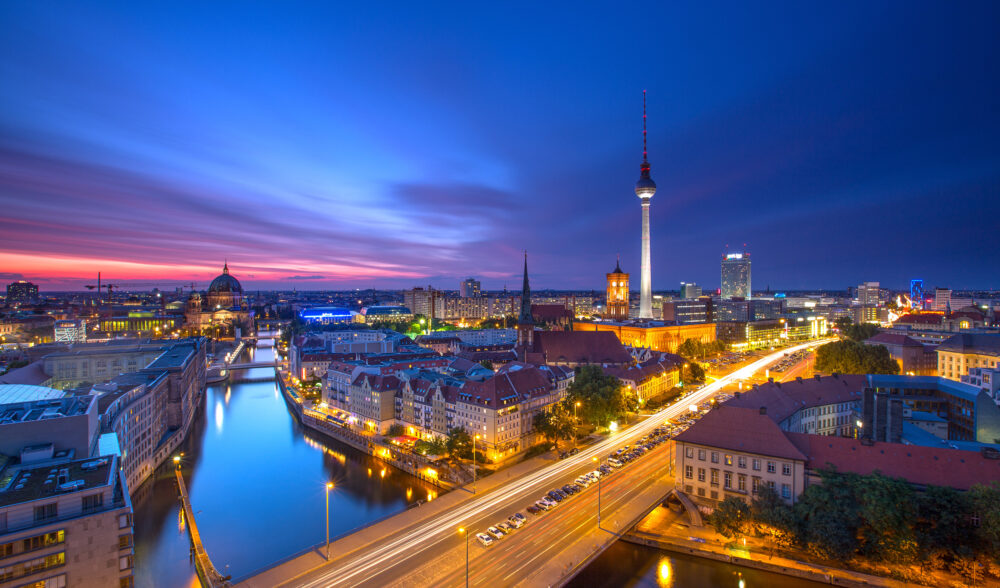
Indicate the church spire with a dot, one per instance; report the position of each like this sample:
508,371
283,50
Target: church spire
225,267
618,264
525,295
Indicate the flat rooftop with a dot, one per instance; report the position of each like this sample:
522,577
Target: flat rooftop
44,481
38,410
174,357
11,393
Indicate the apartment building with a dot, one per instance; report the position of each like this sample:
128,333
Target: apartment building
959,353
821,405
65,523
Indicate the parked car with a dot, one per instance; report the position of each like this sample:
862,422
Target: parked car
495,532
506,527
485,539
515,522
535,510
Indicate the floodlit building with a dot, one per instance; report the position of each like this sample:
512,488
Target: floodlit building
961,352
616,307
736,275
70,331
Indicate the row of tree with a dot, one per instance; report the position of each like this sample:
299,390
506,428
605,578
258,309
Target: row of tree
853,357
876,517
595,399
695,349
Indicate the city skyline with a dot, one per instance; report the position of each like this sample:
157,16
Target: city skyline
324,151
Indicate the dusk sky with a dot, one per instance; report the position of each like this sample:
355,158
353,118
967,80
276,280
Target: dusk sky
343,145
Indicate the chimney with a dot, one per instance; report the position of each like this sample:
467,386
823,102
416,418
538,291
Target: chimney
763,410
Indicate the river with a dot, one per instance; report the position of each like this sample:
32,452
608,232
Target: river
257,480
257,483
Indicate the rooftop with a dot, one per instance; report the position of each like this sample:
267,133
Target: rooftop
785,399
33,483
11,393
741,429
174,357
37,410
919,465
980,343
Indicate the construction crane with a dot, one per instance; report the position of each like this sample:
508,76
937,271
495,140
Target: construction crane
99,286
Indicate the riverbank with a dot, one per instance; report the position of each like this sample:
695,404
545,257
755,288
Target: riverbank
424,470
666,530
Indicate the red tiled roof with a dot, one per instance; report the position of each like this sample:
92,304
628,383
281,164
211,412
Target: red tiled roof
378,382
647,370
741,429
918,465
580,347
919,319
784,399
507,387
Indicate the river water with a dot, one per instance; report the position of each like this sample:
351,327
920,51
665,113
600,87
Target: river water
257,480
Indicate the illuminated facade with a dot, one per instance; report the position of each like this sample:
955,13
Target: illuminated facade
617,301
222,311
736,275
654,335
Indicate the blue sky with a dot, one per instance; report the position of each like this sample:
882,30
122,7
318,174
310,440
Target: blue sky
325,146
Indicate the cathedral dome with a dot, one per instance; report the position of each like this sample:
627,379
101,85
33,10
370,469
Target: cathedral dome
225,283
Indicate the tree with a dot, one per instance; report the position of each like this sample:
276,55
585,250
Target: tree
487,364
555,424
602,397
731,517
985,501
772,516
887,513
852,357
827,516
696,372
459,443
942,521
396,430
861,332
843,322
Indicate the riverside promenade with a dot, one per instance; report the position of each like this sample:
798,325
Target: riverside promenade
206,569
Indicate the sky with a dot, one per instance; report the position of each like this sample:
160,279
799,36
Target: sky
322,145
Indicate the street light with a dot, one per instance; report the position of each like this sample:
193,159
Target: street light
462,531
575,406
474,437
177,461
329,486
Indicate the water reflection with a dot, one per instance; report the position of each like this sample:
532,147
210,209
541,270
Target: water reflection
257,485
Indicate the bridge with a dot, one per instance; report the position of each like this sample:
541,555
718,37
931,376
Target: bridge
422,547
250,364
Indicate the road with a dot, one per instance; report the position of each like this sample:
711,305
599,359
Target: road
432,551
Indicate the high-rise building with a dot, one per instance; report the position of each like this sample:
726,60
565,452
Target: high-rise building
736,275
868,294
21,292
917,294
470,288
690,291
644,189
942,299
617,303
70,331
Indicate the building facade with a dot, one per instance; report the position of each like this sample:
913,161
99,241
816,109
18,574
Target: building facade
736,276
616,306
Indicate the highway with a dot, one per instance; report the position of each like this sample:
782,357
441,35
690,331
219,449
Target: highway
432,551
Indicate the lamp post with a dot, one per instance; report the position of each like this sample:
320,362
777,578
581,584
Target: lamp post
329,486
177,461
474,437
462,531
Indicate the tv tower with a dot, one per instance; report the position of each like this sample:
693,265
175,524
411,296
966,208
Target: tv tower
644,189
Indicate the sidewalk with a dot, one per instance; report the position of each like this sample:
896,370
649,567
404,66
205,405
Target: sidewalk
284,573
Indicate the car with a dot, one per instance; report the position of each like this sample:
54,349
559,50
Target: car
485,539
568,490
574,451
557,496
514,522
615,463
495,532
548,501
520,517
583,481
605,469
506,527
535,510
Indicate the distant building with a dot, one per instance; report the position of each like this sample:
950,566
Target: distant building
327,315
688,312
21,292
616,307
655,335
914,358
736,275
964,351
690,291
942,300
746,309
70,331
222,311
869,294
380,314
986,379
470,288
